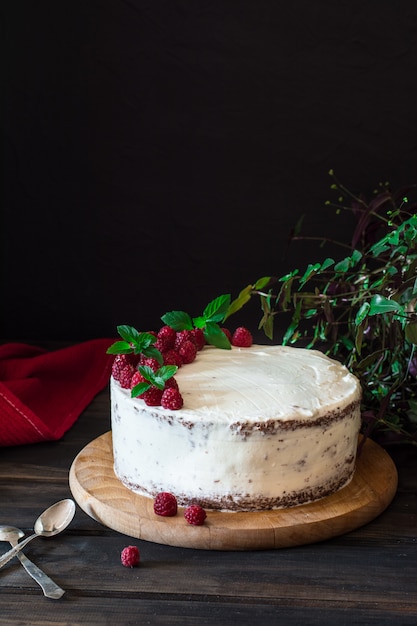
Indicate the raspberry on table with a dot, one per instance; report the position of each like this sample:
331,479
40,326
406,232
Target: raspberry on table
172,399
195,514
242,338
130,556
165,504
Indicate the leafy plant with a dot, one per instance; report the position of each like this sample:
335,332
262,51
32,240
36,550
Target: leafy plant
360,308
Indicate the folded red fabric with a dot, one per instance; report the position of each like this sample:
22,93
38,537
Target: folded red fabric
42,393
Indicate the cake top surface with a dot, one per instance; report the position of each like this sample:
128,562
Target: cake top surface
262,383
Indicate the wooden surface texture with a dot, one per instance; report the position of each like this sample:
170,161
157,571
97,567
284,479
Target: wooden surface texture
367,576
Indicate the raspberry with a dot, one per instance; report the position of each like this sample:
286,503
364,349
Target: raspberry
120,361
228,334
171,399
181,336
242,338
167,334
172,358
136,379
162,344
187,351
171,383
150,362
195,514
152,396
130,556
198,338
126,376
165,504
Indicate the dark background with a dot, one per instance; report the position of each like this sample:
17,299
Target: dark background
157,154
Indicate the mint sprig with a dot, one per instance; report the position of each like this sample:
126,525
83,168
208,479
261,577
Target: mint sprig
153,379
134,342
213,315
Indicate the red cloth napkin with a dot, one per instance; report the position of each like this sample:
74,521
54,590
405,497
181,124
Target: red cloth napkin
42,393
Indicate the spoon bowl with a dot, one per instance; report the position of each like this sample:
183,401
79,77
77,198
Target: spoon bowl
10,533
48,586
52,521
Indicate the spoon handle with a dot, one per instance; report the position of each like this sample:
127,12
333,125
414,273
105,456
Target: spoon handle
49,587
5,558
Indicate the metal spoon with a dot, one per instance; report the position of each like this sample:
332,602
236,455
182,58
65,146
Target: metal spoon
49,587
49,523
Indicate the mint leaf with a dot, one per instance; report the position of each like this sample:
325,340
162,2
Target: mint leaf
153,353
178,320
199,322
120,347
167,371
216,310
147,372
158,378
216,337
138,389
128,333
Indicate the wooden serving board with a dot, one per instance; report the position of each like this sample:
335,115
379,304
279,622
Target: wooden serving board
103,497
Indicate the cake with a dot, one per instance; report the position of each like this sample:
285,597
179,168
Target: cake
261,427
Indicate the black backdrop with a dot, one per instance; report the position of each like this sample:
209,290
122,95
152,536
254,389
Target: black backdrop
157,154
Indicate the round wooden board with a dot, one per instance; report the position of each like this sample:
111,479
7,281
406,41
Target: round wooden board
103,497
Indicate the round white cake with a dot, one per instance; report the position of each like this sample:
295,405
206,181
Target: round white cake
263,427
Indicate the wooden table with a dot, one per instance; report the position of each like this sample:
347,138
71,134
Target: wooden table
368,576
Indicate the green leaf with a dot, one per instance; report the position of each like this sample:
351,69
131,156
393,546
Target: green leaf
167,371
326,264
128,333
178,320
379,304
343,265
120,347
310,271
411,332
138,389
243,297
147,372
267,324
348,262
216,310
286,277
153,353
293,325
216,337
362,313
199,322
261,283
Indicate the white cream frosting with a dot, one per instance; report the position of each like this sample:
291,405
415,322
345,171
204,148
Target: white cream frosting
261,427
